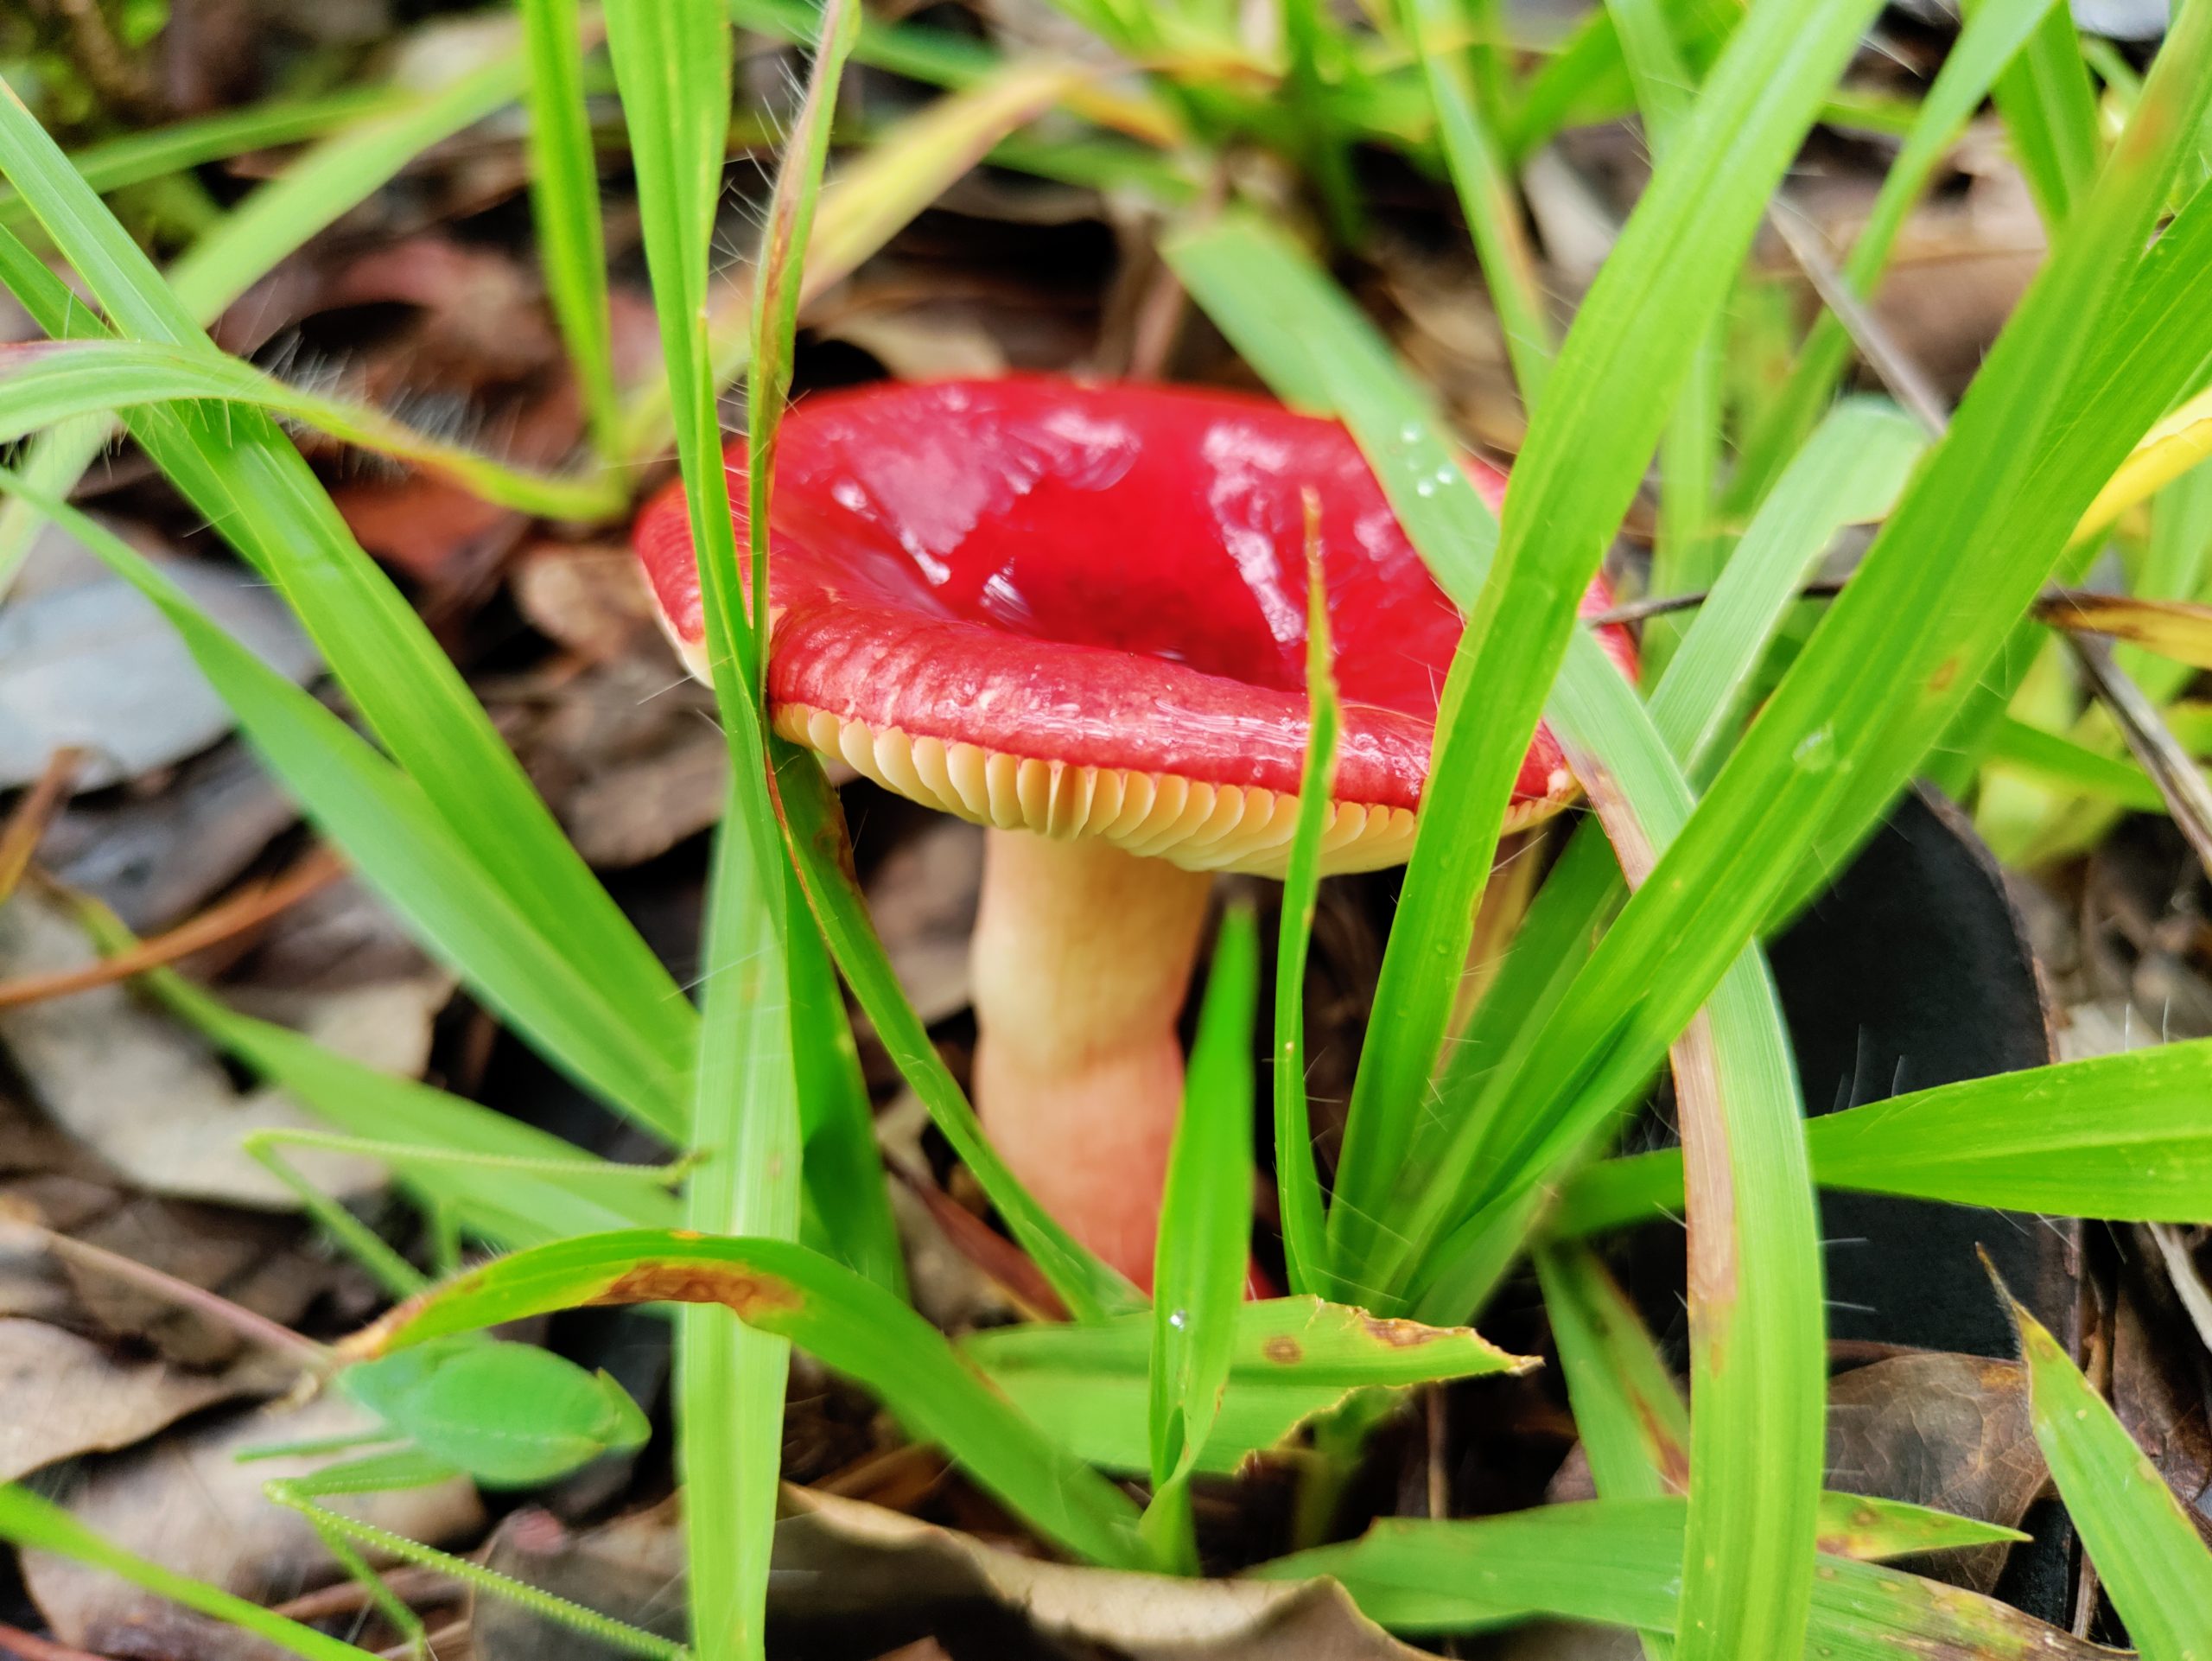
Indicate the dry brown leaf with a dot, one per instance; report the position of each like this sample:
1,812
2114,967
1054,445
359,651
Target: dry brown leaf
922,898
62,1396
187,1504
850,1579
1950,1431
590,597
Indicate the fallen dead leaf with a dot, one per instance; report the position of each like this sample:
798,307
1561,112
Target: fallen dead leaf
146,1094
590,597
62,1396
1950,1431
188,1505
85,660
854,1581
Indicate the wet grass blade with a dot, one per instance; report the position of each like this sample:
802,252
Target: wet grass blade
2044,426
2123,1137
1613,1561
405,851
2153,1562
37,1524
849,1325
1587,451
1298,1181
1205,1238
564,206
47,382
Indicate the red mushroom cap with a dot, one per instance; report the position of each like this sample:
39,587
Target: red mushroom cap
1081,609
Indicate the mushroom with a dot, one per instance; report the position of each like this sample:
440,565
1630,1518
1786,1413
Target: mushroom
1076,614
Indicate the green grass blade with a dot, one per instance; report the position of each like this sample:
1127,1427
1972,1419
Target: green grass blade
1205,1237
1994,33
815,828
1088,1385
37,1524
404,850
133,158
1758,1340
2052,760
852,1326
1298,1181
2121,1137
266,228
846,1185
1480,175
863,207
1615,1562
45,382
2001,496
1586,450
2153,1563
245,477
2050,112
1628,1409
565,206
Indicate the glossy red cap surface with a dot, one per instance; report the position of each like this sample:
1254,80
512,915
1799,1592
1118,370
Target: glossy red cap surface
1107,578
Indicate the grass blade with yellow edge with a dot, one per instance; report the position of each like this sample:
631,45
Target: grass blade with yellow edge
849,1325
2153,1562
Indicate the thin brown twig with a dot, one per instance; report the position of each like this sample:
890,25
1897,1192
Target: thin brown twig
2180,780
29,1646
19,838
234,917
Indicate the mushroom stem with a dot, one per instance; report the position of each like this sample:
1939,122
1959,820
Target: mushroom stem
1081,959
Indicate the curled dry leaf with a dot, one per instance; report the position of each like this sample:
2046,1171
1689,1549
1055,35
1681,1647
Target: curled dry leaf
1949,1431
188,1505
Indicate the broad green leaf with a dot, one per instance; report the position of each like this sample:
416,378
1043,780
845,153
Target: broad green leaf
2153,1563
848,1323
1289,1358
512,1415
2119,1136
1205,1243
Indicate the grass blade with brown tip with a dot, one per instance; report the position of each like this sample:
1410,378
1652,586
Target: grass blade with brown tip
2153,1562
849,1325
